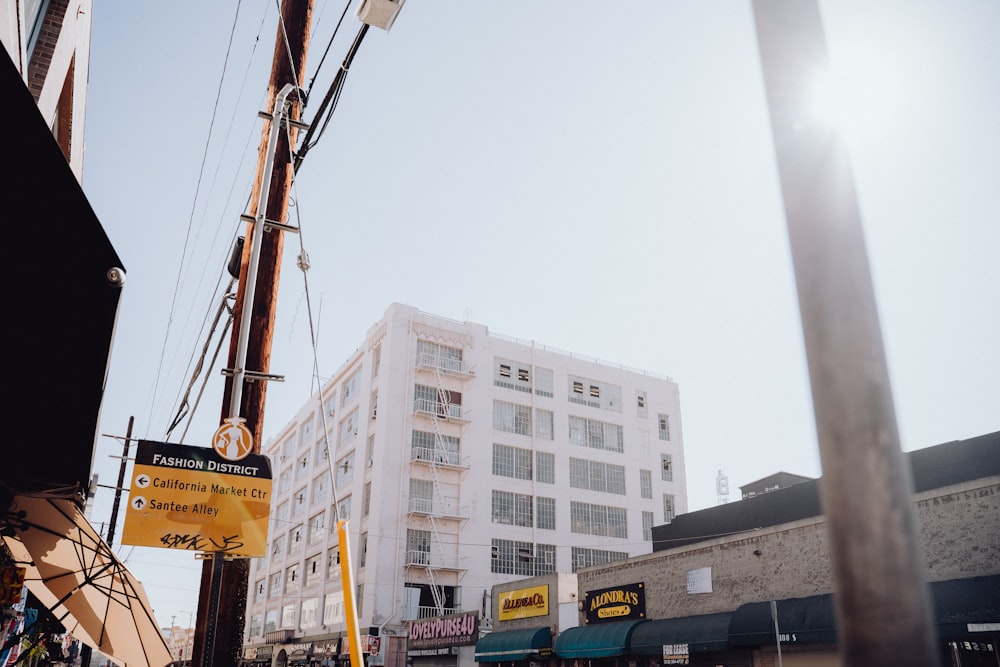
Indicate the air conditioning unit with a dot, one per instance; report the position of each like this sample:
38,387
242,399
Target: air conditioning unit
379,13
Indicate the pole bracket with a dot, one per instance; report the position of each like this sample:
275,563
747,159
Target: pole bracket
270,224
254,376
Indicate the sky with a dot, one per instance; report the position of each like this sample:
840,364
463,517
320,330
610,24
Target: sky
595,178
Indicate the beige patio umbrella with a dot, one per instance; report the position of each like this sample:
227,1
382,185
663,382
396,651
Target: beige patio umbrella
72,571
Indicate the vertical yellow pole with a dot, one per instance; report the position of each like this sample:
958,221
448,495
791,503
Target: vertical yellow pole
347,581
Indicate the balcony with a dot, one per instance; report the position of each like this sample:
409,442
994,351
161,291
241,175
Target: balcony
448,508
437,457
450,412
425,559
435,363
418,613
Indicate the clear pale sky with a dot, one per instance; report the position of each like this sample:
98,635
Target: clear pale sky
596,178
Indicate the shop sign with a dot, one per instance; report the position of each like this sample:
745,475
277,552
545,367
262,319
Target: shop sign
675,654
370,644
444,631
328,647
191,498
523,603
250,653
265,651
619,603
11,584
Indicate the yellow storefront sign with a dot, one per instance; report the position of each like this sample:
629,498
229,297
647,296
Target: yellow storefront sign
191,498
523,603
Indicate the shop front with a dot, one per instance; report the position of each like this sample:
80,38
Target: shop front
692,640
325,652
601,645
435,642
300,655
515,648
257,656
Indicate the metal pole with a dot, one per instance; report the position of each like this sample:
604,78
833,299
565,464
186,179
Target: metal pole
208,657
777,631
882,601
239,369
121,483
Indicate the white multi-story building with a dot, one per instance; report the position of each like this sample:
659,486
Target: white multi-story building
460,459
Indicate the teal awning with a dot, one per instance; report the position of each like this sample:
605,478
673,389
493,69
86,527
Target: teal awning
709,632
601,640
514,645
809,620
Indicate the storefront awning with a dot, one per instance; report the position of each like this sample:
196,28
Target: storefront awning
809,620
596,641
709,632
514,645
960,603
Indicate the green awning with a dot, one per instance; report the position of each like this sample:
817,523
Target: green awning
514,645
709,632
601,640
809,620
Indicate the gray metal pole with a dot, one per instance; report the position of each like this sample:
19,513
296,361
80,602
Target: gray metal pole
882,601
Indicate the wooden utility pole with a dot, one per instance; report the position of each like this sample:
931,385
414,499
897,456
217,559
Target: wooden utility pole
882,601
225,629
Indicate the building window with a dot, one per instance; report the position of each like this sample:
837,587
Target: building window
295,536
640,404
544,424
596,434
544,382
439,356
522,558
426,446
512,509
668,507
278,548
597,476
646,483
348,429
302,467
306,432
376,360
260,590
299,501
664,426
281,514
421,496
344,470
332,562
511,462
667,467
292,579
344,508
647,526
320,486
317,527
438,402
511,417
418,547
511,375
594,393
330,404
598,520
545,466
366,501
314,569
349,390
274,585
583,557
362,555
546,513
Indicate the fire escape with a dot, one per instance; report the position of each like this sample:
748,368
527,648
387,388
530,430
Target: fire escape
441,409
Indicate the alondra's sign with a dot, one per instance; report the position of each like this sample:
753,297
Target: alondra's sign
443,631
620,603
523,603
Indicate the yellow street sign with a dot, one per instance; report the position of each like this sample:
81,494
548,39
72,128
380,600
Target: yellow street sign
191,498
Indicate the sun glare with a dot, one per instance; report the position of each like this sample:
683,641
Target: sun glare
860,94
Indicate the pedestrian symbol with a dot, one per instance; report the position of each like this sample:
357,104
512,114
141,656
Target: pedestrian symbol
233,440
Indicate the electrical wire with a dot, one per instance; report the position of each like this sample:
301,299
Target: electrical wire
329,103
